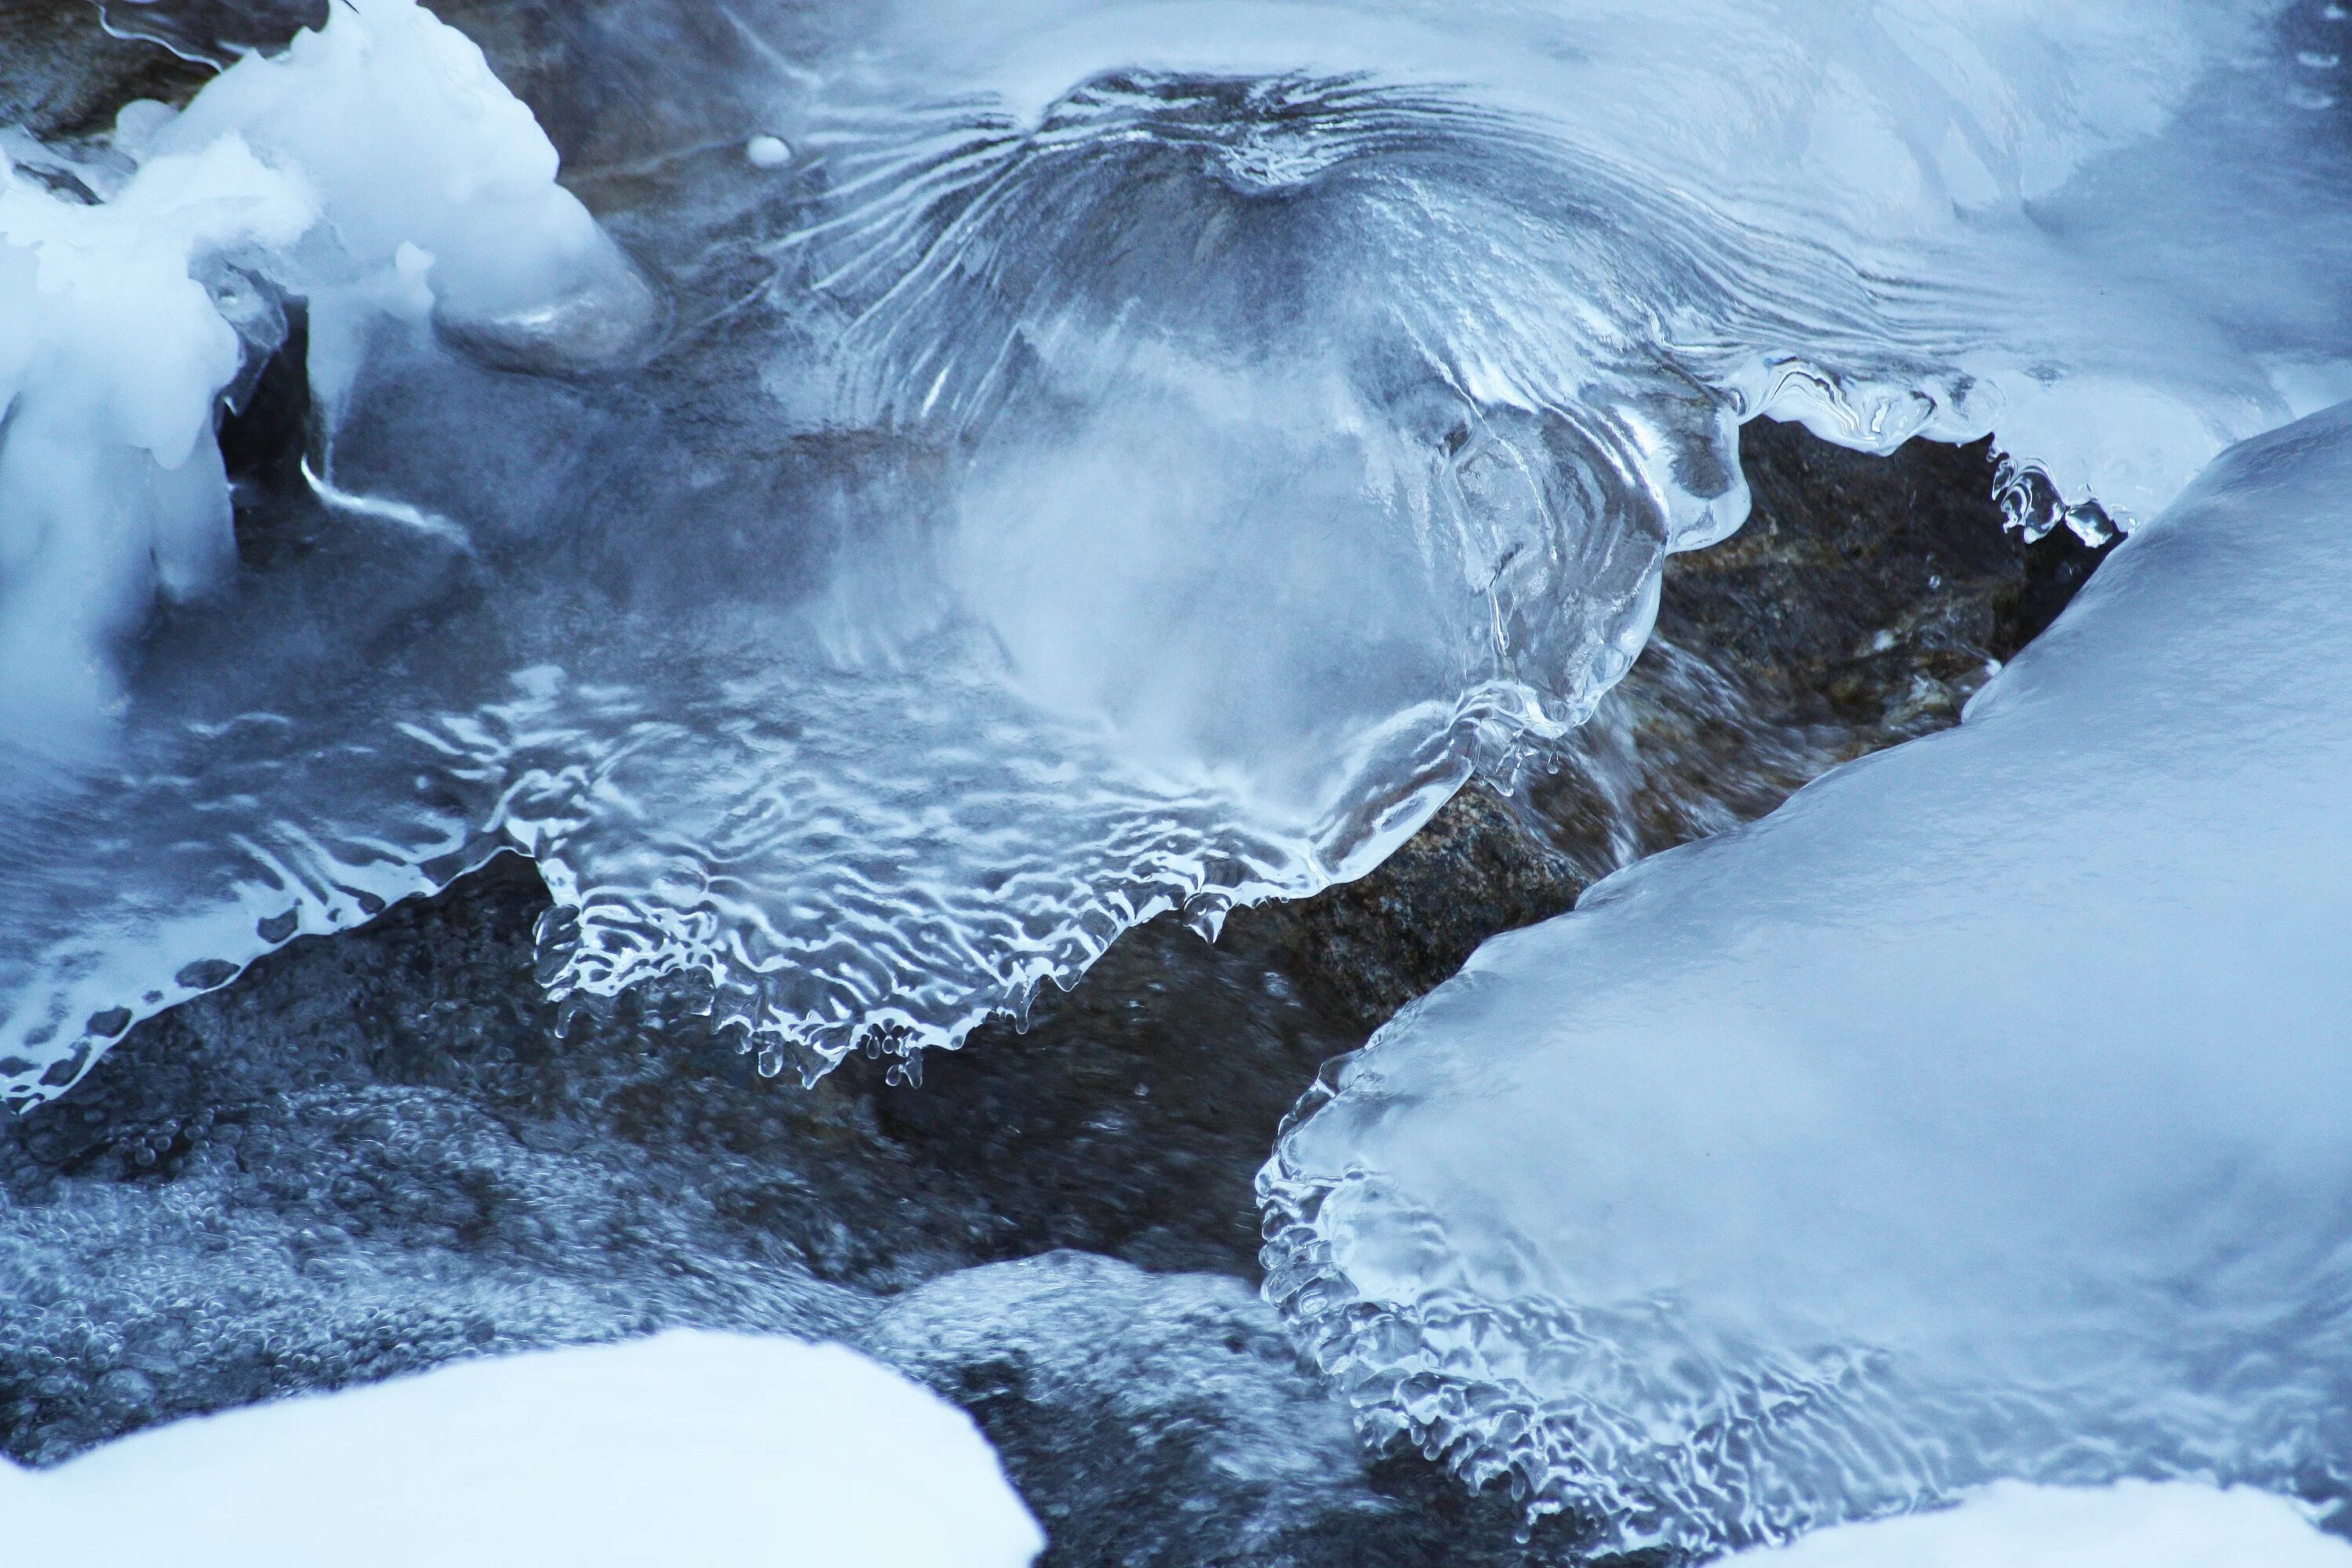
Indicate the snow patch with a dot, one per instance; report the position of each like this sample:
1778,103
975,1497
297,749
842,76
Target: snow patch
688,1447
2132,1524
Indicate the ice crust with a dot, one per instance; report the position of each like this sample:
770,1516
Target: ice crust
1117,457
1978,1114
685,1448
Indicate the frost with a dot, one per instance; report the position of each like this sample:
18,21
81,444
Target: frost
688,1447
1979,1114
1071,460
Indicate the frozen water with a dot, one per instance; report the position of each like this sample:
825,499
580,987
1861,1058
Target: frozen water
1978,1114
376,169
1117,457
2132,1524
685,1448
110,356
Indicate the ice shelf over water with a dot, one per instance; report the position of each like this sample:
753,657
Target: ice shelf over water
1980,1113
683,1448
1096,459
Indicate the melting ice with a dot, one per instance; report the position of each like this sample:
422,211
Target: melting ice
1095,458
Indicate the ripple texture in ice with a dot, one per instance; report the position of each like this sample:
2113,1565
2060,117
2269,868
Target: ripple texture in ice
988,473
1979,1114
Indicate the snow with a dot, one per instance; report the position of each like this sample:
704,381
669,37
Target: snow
2132,1524
1092,458
377,166
1979,1114
685,1448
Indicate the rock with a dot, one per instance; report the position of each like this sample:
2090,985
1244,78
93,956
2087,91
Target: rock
1862,604
63,75
1162,1420
376,1152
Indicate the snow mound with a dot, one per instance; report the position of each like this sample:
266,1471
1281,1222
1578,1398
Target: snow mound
1981,1113
2132,1524
685,1448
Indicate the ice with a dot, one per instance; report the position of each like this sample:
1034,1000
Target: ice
2132,1524
110,356
377,166
438,192
686,1448
1118,457
1979,1114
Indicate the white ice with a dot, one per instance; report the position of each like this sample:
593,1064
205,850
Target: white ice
688,1447
376,170
110,356
1982,1113
2132,1524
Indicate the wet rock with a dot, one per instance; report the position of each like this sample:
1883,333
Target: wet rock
1161,1421
63,75
1863,603
365,1158
1131,1116
1485,863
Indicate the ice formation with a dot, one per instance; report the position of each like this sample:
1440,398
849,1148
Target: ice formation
110,356
1979,1114
1073,460
685,1448
2132,1524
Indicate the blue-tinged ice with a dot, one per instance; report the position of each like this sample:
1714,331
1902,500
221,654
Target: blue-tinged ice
1984,1112
990,473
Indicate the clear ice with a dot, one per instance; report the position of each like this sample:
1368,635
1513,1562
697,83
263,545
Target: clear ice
987,473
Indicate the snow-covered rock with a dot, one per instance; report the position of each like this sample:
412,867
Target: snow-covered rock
1980,1113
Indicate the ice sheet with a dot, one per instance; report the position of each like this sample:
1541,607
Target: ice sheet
1979,1114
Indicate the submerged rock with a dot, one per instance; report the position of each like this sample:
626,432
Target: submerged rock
1162,1420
